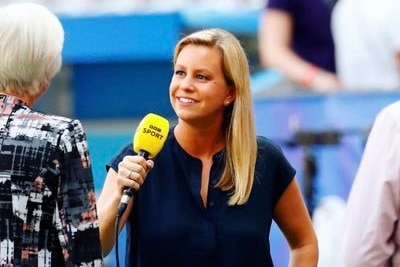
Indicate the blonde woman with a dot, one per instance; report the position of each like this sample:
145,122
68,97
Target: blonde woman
209,197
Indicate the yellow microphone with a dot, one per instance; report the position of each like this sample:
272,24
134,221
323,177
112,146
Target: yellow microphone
150,135
148,141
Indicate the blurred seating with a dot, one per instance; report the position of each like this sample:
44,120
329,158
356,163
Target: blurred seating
108,55
113,56
345,116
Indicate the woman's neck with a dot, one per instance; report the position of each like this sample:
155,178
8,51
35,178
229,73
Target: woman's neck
204,142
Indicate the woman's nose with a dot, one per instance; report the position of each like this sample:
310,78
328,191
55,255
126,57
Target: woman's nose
186,83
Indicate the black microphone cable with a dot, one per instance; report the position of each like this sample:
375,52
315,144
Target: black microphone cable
116,240
128,193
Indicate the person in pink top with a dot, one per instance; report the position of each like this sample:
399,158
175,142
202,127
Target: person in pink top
371,234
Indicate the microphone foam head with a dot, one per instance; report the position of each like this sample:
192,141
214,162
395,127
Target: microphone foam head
151,134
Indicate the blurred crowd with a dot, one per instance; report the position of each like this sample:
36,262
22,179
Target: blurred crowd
333,45
77,7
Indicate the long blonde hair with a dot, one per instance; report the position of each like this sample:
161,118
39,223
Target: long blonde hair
240,133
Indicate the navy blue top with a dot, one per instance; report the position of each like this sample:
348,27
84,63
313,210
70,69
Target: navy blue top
312,36
170,226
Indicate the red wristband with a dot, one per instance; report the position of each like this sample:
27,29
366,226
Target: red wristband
309,76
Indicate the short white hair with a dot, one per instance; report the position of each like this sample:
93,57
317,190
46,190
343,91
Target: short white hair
31,42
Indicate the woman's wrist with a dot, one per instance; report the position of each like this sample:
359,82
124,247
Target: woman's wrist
309,76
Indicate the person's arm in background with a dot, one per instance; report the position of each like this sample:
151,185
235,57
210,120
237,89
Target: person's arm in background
275,37
398,61
371,235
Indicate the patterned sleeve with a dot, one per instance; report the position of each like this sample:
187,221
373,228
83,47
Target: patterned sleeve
76,218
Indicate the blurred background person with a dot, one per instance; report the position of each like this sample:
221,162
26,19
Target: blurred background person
295,39
47,201
371,236
367,39
99,7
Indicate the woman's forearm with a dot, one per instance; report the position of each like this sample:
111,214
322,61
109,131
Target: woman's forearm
305,256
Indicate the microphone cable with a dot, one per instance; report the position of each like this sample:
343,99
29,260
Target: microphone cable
128,193
116,240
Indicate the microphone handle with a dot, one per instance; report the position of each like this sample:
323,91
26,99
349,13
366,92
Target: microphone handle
129,192
144,154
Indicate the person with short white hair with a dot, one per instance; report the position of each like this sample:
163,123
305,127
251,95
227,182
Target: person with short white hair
46,181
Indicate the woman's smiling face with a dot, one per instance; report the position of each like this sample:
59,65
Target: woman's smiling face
198,88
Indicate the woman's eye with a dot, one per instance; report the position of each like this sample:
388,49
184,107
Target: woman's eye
179,72
201,77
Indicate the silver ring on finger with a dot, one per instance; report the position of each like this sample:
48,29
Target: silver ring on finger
129,175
